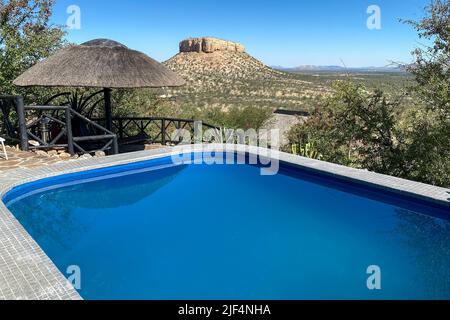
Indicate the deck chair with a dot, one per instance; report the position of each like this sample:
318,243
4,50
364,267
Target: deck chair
2,141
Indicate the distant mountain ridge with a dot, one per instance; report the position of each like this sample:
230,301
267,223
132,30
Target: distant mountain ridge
314,68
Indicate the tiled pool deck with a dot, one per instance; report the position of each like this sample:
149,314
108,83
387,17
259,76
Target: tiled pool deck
27,273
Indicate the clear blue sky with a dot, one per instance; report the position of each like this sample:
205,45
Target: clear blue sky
283,32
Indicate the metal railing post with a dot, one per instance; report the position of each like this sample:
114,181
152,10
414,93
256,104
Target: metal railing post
18,101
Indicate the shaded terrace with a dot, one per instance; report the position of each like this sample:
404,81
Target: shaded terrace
102,64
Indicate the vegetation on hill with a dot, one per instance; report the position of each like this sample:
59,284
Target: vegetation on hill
235,79
232,89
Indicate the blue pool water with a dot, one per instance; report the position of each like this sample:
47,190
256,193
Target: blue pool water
156,231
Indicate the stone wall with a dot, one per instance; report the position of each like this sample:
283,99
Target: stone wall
209,45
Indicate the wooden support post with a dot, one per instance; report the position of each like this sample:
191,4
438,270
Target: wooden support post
108,108
23,131
115,147
120,128
163,132
180,136
69,131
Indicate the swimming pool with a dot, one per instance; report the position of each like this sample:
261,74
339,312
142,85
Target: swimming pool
155,230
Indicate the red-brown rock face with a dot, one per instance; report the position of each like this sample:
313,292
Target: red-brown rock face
209,45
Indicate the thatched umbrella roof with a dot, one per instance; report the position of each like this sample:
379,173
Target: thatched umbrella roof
99,63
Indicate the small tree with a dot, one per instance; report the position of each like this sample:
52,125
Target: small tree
429,121
431,67
356,128
26,37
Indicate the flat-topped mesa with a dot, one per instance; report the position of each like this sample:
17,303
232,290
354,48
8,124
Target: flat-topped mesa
209,45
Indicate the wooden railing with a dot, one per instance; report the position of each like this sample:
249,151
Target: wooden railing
63,127
50,131
152,129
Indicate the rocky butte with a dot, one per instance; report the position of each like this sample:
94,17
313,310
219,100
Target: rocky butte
209,45
204,58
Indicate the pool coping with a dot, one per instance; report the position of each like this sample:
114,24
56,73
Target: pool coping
26,272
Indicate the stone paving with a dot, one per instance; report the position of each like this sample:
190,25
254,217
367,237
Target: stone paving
20,159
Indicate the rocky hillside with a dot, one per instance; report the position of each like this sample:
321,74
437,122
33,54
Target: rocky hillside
220,73
226,64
